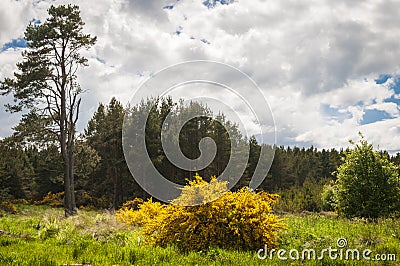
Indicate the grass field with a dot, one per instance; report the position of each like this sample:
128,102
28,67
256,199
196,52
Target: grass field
39,235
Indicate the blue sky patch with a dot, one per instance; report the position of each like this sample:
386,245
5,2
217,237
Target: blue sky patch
213,3
15,43
333,113
168,7
36,21
383,78
395,87
372,116
393,99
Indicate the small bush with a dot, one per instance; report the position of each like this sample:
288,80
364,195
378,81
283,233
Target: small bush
83,198
133,204
103,202
328,196
241,220
20,201
87,208
7,206
53,200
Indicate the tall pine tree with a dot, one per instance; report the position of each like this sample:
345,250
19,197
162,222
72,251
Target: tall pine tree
47,86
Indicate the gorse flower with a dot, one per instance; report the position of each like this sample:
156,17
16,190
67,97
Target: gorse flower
241,220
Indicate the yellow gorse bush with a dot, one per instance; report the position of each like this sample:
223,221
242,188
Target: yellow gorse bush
198,191
53,200
240,220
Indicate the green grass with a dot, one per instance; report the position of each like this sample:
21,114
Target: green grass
39,235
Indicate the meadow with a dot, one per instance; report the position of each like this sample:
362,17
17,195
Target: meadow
40,235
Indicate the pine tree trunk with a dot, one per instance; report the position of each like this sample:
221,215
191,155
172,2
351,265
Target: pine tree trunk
67,179
69,193
65,155
71,177
117,188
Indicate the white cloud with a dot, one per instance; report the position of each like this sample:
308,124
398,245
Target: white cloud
8,59
389,107
354,91
14,16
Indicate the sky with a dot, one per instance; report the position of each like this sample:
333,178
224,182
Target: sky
328,69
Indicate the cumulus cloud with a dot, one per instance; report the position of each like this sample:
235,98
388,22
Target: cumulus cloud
14,16
310,59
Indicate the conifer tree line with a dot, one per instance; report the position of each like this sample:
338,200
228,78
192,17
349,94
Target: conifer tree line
46,154
32,169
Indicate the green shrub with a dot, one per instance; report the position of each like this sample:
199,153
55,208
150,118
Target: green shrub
301,198
328,197
368,183
241,220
